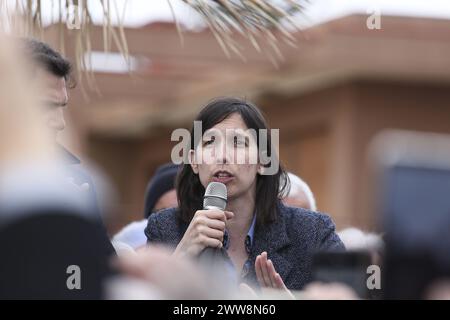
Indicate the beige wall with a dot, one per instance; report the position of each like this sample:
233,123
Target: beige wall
324,136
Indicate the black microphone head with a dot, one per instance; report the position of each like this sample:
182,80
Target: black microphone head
215,196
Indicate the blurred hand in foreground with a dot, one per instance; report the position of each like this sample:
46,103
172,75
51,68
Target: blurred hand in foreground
174,277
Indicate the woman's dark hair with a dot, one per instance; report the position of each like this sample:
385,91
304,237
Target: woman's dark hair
190,191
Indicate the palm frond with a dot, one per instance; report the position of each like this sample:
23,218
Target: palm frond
255,20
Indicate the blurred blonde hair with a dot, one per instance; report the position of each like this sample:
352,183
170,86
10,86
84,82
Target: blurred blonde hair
24,135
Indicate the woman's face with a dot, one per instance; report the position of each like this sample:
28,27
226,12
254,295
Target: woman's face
228,153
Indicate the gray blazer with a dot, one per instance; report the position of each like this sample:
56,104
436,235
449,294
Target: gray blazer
290,241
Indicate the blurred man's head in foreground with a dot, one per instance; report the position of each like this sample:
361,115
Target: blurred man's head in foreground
52,74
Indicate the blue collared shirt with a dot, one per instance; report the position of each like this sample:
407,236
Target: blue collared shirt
248,247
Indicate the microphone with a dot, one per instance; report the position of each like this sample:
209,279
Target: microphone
215,198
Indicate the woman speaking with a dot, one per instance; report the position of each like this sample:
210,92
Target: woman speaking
265,242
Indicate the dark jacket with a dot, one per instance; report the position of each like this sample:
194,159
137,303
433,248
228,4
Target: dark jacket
80,176
290,242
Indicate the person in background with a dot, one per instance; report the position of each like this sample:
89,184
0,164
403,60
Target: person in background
356,239
160,194
299,195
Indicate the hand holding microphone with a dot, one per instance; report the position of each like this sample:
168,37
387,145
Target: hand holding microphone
207,227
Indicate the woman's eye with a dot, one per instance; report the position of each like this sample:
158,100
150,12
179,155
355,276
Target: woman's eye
240,142
208,142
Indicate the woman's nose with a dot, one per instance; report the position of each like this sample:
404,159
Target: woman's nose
222,153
